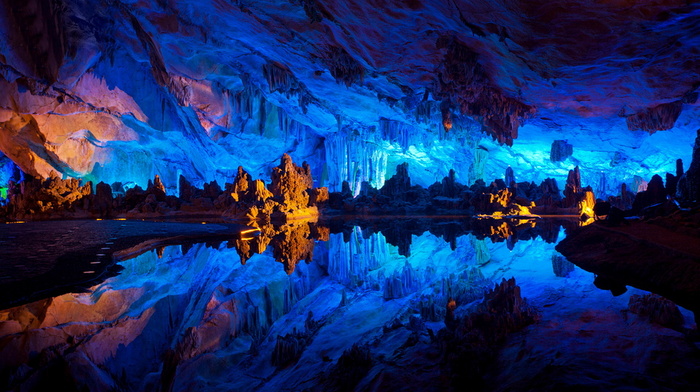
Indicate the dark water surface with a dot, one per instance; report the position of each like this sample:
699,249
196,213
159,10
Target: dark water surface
278,310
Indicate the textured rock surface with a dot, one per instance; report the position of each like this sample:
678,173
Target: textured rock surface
244,199
124,91
689,182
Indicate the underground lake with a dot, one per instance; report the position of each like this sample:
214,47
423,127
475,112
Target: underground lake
382,303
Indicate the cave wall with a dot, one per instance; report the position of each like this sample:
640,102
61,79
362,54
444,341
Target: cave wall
122,91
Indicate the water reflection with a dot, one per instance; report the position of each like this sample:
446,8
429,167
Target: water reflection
225,315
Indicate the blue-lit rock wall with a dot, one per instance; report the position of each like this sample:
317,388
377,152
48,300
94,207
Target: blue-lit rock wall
122,91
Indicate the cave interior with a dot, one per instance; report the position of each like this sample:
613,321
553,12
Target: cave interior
434,163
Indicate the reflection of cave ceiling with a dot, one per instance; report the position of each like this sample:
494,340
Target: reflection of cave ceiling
135,70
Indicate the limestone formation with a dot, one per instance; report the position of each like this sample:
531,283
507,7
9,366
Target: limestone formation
54,196
654,194
689,182
289,183
657,309
352,366
102,204
398,185
560,150
572,189
318,196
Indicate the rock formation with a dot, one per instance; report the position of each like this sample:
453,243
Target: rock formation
689,182
290,195
657,309
560,150
286,198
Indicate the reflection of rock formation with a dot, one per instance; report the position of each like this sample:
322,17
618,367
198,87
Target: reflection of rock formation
659,255
400,231
561,266
657,309
469,343
291,242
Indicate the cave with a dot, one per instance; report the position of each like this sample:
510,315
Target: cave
368,195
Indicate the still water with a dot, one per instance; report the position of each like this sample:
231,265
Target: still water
278,310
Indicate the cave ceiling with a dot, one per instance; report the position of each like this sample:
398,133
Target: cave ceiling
634,64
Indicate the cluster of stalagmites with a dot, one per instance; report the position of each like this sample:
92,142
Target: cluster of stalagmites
658,198
503,197
289,195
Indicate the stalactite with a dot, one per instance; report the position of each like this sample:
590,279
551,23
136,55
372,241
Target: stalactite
280,78
343,67
560,150
464,83
353,159
657,118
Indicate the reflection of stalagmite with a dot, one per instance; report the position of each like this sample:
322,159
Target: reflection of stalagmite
503,230
292,244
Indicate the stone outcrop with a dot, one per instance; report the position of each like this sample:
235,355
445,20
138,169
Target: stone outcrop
560,150
657,309
289,195
34,197
689,182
